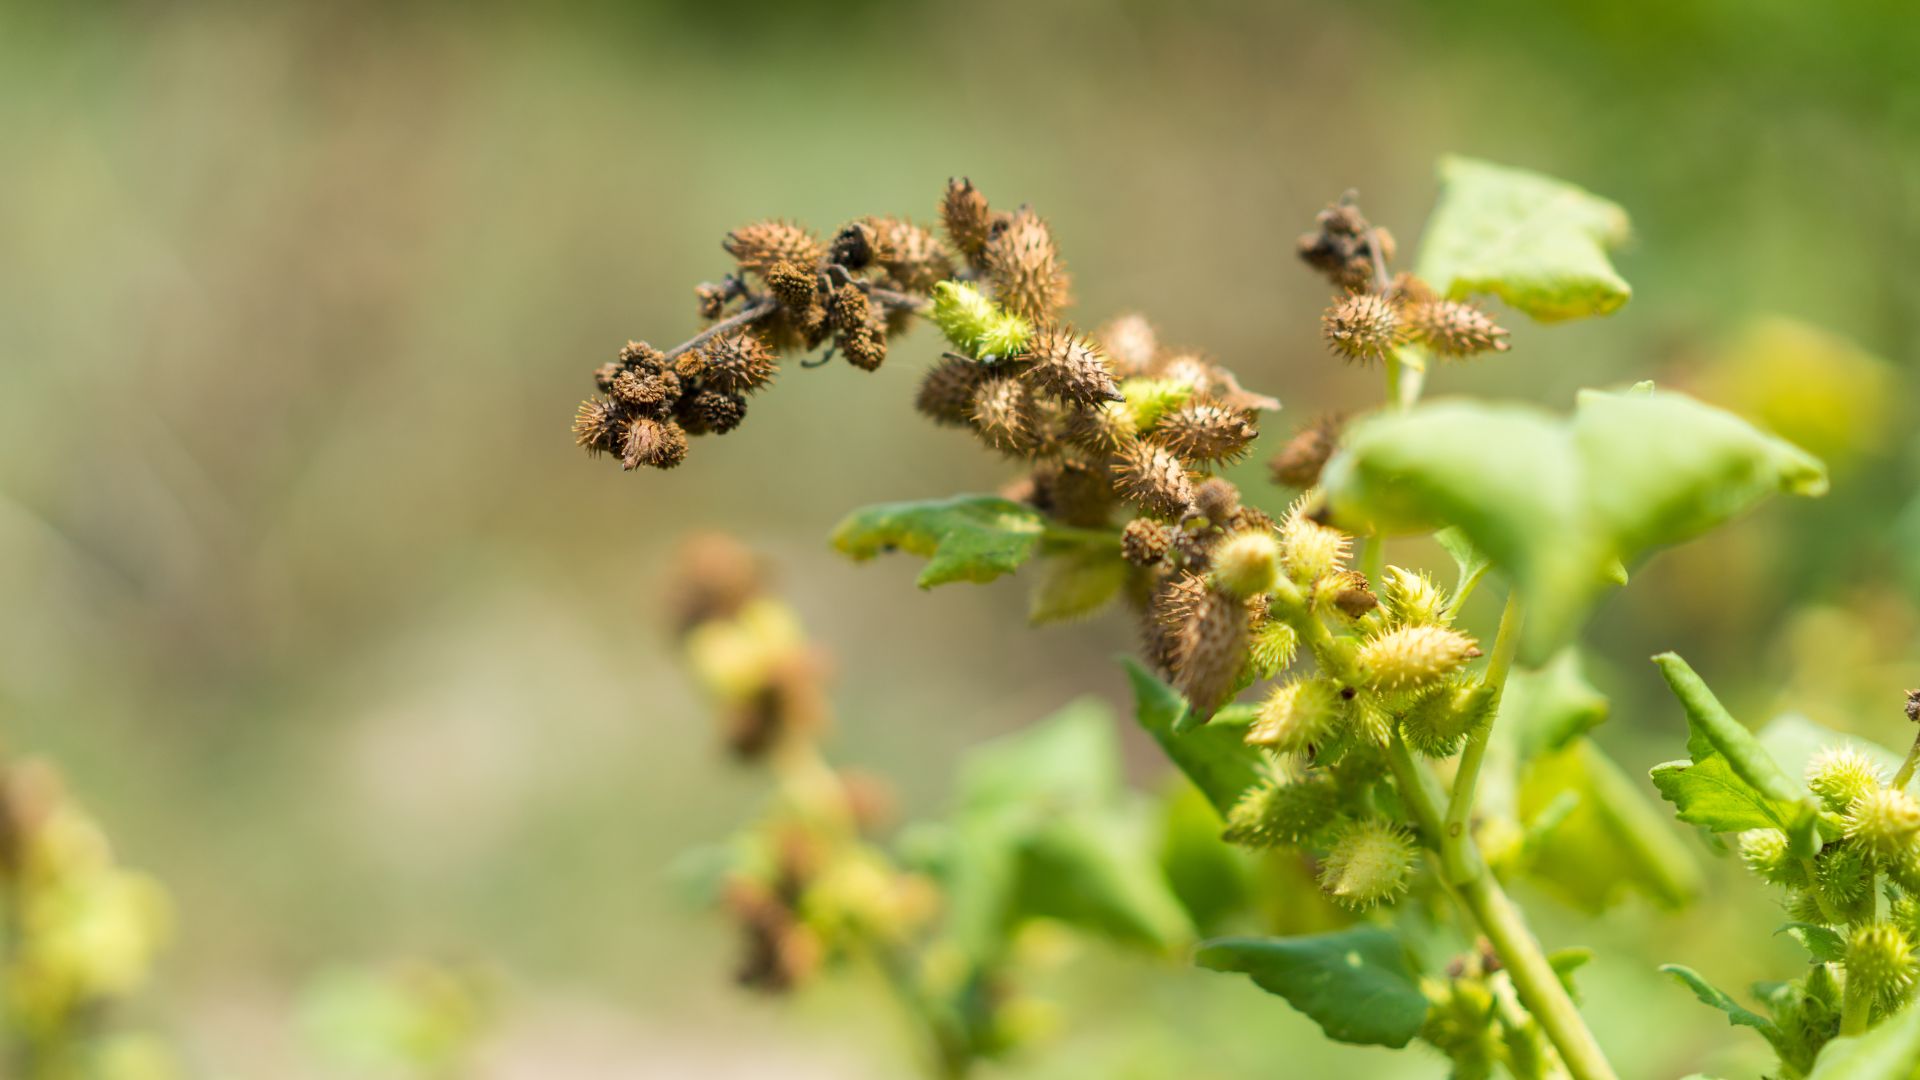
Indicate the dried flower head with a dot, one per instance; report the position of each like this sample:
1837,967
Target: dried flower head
763,245
1145,541
914,259
719,412
1147,474
863,342
1218,501
1205,433
1070,367
646,393
1211,650
597,426
968,220
1344,247
1003,414
1025,268
661,444
1362,328
854,246
738,363
947,389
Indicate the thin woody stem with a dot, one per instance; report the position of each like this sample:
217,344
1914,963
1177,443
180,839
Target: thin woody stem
766,305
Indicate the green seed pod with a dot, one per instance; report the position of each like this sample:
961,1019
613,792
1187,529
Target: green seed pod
1247,563
1297,716
1883,821
1765,853
1310,550
1283,809
1904,912
1271,648
1370,862
1441,720
975,325
1880,963
1412,599
1841,775
1412,657
1147,400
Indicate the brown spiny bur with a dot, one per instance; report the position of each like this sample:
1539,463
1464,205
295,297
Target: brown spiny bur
1362,328
848,308
766,244
1190,368
1070,367
1205,433
1194,543
719,412
713,577
1131,345
1913,706
1353,595
661,444
1103,429
1150,476
1211,650
1342,245
598,427
1217,500
1409,289
1025,268
638,356
914,258
1003,415
1145,541
946,391
647,393
1174,604
1250,519
1078,494
797,287
738,363
968,220
1452,328
854,246
1298,463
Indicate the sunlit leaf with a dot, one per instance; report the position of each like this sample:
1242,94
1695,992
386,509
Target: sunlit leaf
1737,1014
966,538
1215,757
1610,841
1354,983
1891,1051
1538,243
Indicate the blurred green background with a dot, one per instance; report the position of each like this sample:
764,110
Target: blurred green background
305,586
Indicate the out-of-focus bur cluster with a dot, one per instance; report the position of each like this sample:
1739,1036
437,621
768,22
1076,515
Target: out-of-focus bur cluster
1864,885
418,1018
82,934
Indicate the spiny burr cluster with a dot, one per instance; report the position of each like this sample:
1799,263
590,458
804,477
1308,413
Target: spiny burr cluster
1376,314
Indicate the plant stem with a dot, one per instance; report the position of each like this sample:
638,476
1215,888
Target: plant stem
1458,855
1906,767
1855,1006
738,319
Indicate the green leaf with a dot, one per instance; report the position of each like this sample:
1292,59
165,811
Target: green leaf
1613,840
1215,757
1354,983
1794,740
965,538
1077,584
1708,793
1069,759
1559,504
1891,1051
1538,243
1214,880
1100,873
1823,943
1711,729
1737,1014
1471,562
1565,962
1550,706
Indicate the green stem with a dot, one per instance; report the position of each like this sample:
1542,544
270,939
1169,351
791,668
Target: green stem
1457,854
1534,979
1906,767
1856,1007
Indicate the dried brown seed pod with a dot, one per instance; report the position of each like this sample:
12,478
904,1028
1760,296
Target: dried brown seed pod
1003,415
719,412
765,244
1353,595
1205,433
1342,246
638,356
1298,463
1211,651
1150,476
1079,494
1452,328
1070,367
1217,500
914,258
1362,328
796,286
1131,345
1145,541
713,300
946,391
661,444
738,363
848,308
854,246
968,220
1104,428
647,393
865,346
597,426
1028,277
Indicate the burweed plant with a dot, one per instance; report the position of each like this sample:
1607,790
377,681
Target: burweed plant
1408,762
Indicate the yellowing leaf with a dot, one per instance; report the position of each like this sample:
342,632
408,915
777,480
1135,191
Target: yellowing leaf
966,538
1538,243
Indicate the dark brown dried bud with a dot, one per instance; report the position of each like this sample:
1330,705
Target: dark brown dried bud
603,376
1298,463
648,393
719,413
854,246
690,366
796,286
1343,245
1362,328
1211,650
968,221
914,258
1913,706
765,244
1070,368
1003,415
848,308
1131,345
713,300
738,363
1452,328
1149,475
1353,595
1025,268
597,426
640,357
1217,500
862,342
1145,541
661,444
946,391
1205,433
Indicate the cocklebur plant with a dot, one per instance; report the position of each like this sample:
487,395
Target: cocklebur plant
1842,840
1412,762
